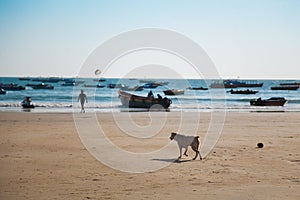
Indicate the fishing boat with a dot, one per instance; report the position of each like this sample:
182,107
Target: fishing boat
274,101
235,84
290,83
242,91
116,85
136,88
134,101
173,92
42,86
150,85
24,79
285,87
11,86
197,88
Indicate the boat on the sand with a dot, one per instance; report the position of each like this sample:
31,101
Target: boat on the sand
135,101
273,101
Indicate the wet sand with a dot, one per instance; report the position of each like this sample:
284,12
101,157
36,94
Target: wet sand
42,157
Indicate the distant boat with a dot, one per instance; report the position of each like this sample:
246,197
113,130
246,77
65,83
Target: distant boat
24,79
100,86
2,91
69,84
136,88
197,88
242,91
99,80
114,85
90,86
134,101
235,84
274,101
42,86
150,85
285,87
11,86
173,92
292,83
48,79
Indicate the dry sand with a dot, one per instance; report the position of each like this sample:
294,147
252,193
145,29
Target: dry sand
42,157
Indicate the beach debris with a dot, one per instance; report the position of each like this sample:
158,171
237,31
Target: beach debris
260,145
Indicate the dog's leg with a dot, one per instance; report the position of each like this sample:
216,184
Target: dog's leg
180,152
186,149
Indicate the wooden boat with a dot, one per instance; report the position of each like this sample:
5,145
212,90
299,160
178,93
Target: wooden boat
24,79
197,88
2,91
285,87
242,91
42,86
134,101
89,86
136,88
114,85
274,101
150,85
11,86
292,83
235,84
173,92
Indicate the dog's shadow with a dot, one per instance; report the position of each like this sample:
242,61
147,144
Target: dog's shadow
172,160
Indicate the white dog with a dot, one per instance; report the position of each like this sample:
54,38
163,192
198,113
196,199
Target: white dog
184,141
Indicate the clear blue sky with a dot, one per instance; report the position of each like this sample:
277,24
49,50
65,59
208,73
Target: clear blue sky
249,39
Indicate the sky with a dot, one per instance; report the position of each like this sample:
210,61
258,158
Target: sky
256,39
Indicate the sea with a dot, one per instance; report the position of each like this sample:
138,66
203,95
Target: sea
105,99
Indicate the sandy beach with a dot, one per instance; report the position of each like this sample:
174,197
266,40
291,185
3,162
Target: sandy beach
42,157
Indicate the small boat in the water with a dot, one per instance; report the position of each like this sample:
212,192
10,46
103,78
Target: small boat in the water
150,85
197,88
11,86
2,91
24,79
134,101
235,84
285,87
290,83
242,91
136,88
274,101
27,103
116,85
89,86
69,84
173,92
42,86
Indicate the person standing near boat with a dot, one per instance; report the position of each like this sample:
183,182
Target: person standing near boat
82,98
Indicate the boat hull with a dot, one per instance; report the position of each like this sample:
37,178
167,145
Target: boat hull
173,92
134,101
268,102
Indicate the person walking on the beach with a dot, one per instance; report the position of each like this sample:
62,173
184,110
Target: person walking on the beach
82,98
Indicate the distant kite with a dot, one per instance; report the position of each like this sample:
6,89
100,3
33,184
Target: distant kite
97,72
